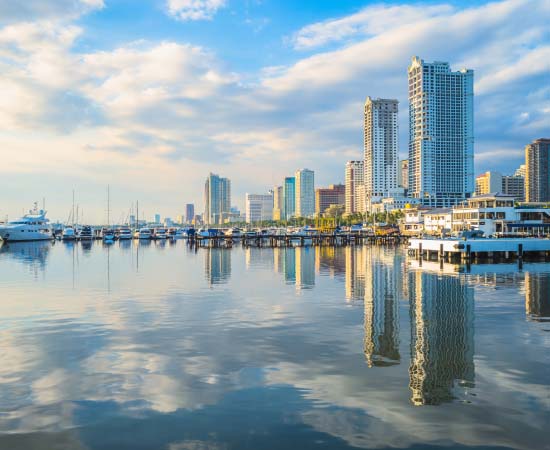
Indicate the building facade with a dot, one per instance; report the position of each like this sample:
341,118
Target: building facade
355,187
381,147
189,212
403,180
514,185
258,207
278,202
217,199
537,171
488,183
289,198
441,133
305,193
335,194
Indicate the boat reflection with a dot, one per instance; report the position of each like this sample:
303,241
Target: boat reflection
32,254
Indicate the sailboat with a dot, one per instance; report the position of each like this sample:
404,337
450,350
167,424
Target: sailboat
108,234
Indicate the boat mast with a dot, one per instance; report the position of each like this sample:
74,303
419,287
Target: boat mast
73,210
108,205
137,214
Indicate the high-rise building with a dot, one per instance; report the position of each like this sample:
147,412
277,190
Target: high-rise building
189,212
258,207
514,185
537,171
355,187
305,193
488,183
335,194
441,133
156,219
217,199
520,171
289,198
278,203
403,180
380,148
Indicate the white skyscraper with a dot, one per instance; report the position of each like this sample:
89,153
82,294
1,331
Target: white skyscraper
441,133
305,193
355,187
381,148
258,207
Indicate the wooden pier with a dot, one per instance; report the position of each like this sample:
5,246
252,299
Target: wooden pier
292,240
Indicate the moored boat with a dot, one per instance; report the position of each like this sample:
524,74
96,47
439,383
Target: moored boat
31,227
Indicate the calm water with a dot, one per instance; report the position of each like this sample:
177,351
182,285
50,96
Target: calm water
156,346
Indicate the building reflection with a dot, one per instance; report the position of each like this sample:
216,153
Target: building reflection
330,260
305,267
382,287
442,336
355,266
217,265
537,296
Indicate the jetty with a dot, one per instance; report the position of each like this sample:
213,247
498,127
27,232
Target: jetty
479,249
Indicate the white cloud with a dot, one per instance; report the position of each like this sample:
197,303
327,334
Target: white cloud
12,10
194,9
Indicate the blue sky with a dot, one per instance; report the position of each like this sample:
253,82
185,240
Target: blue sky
150,96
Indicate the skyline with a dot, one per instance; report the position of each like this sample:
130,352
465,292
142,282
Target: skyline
86,105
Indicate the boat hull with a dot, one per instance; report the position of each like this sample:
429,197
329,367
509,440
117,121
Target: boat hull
15,235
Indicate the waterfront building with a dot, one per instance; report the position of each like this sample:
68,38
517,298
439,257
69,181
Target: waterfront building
403,173
389,204
258,207
217,199
381,159
441,133
442,333
289,198
335,194
438,221
156,219
278,199
189,212
355,187
305,193
413,222
537,171
384,270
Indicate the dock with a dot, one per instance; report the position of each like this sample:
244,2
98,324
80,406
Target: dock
480,249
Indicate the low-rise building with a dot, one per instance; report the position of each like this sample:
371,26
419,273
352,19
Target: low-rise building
438,221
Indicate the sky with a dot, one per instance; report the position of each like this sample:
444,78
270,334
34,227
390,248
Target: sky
150,96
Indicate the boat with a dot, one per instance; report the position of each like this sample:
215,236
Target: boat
86,233
108,235
31,227
68,234
177,233
207,232
124,234
144,233
160,233
234,232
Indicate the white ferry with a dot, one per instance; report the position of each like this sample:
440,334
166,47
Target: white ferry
31,227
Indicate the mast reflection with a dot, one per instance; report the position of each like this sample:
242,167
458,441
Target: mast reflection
442,337
383,272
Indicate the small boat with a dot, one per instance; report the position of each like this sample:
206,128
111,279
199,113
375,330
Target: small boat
234,233
68,234
160,233
86,233
144,233
178,234
108,235
207,232
124,234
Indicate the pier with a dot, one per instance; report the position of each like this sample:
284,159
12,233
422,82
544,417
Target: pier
480,249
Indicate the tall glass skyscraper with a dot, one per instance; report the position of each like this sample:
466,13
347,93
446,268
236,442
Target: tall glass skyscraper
305,193
289,198
441,133
217,198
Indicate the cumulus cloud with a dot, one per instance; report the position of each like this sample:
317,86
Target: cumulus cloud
194,9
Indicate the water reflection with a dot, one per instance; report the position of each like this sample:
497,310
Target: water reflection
384,271
262,364
34,255
442,337
217,265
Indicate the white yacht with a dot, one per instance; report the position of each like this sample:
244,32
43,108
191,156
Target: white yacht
31,227
124,234
86,233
